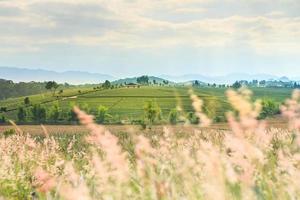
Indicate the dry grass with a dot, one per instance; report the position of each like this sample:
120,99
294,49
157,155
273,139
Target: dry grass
277,122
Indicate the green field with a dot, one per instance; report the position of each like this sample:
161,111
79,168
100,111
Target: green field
128,103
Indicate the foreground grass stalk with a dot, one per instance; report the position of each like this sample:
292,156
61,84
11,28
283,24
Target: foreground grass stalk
249,161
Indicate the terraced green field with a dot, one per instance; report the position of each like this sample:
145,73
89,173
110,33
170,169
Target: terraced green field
128,103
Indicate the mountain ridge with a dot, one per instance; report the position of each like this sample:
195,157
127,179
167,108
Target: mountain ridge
40,75
81,77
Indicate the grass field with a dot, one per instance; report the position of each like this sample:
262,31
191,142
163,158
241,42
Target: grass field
128,103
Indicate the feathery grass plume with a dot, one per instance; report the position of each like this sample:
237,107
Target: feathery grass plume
144,155
248,112
247,162
109,143
74,186
18,130
291,110
197,105
43,181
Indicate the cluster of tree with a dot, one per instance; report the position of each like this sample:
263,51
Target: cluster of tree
10,89
52,85
153,114
265,83
56,114
143,80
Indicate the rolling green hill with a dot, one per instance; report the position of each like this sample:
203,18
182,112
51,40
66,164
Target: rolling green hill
128,103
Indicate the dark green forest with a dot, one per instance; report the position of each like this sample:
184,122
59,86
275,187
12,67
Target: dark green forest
10,89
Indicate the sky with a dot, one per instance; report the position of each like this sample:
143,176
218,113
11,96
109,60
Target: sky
134,37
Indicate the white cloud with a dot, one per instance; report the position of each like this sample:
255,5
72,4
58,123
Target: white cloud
32,24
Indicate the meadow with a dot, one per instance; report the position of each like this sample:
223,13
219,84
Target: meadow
243,159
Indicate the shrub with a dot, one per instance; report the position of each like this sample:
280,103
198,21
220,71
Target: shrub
101,114
152,112
22,114
71,115
269,108
193,119
55,113
2,119
173,116
38,113
26,101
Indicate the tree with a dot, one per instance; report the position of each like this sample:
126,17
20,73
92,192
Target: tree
101,114
2,119
173,116
38,113
237,85
262,83
26,101
106,84
22,114
152,112
196,83
52,85
144,80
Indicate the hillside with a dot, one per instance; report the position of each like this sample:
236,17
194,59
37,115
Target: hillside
128,103
152,79
10,89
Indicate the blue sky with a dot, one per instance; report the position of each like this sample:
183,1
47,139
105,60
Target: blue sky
133,37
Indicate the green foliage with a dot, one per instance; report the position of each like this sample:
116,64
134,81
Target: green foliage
173,116
38,113
152,112
22,114
72,117
55,113
269,108
101,114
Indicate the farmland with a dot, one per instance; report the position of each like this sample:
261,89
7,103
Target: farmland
127,104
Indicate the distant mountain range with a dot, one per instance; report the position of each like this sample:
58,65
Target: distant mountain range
78,77
40,75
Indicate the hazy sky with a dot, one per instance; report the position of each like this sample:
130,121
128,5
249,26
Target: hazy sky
132,37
